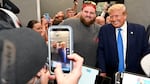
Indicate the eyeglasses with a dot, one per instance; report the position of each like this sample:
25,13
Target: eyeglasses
89,2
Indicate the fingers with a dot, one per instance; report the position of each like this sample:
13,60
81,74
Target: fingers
103,74
58,73
45,76
74,75
77,64
76,58
52,77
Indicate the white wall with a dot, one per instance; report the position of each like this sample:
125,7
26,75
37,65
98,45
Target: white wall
29,9
138,11
53,6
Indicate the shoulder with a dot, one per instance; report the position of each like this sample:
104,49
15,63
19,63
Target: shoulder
138,28
107,27
135,25
70,20
96,26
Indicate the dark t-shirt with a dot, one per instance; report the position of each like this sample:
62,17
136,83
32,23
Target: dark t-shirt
85,39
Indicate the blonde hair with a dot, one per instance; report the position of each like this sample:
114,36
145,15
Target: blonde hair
117,7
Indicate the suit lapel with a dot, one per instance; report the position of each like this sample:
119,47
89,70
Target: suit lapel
113,37
130,37
113,42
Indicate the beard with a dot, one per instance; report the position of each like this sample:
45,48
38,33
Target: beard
85,22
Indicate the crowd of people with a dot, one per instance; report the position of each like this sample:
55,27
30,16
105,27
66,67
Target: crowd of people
95,42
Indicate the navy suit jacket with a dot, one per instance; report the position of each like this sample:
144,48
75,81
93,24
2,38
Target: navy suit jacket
137,47
63,55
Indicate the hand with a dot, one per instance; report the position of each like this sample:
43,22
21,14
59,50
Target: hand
75,2
103,74
72,77
45,77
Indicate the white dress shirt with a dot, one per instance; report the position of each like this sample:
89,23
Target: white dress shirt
124,38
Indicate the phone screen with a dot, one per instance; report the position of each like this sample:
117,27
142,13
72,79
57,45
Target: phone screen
60,47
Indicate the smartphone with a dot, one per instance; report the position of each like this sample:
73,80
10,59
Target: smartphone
47,17
60,43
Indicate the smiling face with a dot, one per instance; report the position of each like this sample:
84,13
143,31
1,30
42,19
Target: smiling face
117,18
88,15
70,12
37,27
118,15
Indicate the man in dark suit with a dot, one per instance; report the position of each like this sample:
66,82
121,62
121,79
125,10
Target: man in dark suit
148,33
63,52
135,43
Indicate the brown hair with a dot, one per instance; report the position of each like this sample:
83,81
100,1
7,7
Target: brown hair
31,23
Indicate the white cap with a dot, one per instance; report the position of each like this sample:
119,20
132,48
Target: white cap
13,17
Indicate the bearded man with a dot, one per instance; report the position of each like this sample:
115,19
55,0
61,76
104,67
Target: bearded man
85,33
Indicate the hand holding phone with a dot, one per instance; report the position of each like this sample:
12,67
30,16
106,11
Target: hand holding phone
60,45
74,76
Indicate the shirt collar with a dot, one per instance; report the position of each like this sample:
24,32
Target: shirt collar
124,26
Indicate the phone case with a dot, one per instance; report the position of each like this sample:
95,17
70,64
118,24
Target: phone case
60,44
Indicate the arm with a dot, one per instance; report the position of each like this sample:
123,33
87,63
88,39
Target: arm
75,5
61,78
100,54
74,76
